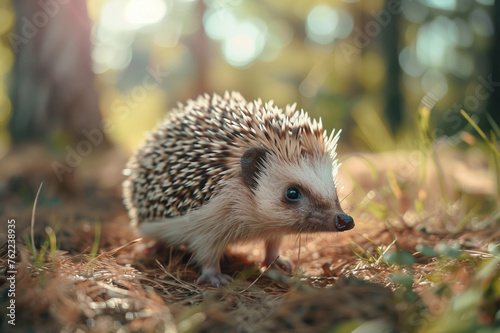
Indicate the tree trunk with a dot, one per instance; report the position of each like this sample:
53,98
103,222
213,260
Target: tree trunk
390,43
52,83
494,102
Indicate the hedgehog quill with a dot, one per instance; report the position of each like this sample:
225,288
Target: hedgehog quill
220,170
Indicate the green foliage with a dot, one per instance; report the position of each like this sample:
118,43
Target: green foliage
375,257
448,250
491,142
426,250
494,249
427,149
465,284
48,247
399,257
475,309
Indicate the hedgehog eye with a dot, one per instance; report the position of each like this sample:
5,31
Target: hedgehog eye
293,194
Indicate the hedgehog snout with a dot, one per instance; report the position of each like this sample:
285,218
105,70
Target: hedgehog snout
344,222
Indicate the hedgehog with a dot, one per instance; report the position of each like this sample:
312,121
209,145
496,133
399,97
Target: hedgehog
220,170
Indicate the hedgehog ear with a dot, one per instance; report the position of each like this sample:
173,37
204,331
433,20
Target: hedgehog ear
250,161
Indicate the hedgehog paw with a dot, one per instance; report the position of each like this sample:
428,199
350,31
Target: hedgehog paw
281,263
284,264
215,278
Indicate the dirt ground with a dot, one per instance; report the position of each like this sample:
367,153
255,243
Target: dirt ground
343,282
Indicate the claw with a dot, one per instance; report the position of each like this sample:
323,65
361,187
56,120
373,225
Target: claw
281,263
272,256
214,277
285,265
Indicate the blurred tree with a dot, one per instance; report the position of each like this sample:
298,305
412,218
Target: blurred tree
494,104
390,45
52,83
200,48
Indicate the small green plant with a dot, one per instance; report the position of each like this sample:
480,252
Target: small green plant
97,241
427,149
48,245
475,309
375,257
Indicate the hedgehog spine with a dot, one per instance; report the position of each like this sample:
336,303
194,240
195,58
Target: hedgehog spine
218,170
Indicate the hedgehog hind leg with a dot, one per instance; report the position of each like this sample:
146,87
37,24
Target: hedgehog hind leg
206,250
273,257
208,257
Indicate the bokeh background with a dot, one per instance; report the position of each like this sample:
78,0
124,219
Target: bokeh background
413,84
70,69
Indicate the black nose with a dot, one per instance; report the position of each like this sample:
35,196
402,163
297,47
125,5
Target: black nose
344,222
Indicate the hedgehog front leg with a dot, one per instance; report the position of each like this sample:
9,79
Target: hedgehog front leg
272,252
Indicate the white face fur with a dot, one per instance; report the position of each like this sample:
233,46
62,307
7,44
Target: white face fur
297,196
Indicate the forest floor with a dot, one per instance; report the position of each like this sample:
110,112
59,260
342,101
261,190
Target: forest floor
424,255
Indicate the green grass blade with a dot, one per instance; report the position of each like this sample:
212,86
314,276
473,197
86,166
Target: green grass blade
493,125
473,124
52,241
97,240
481,133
